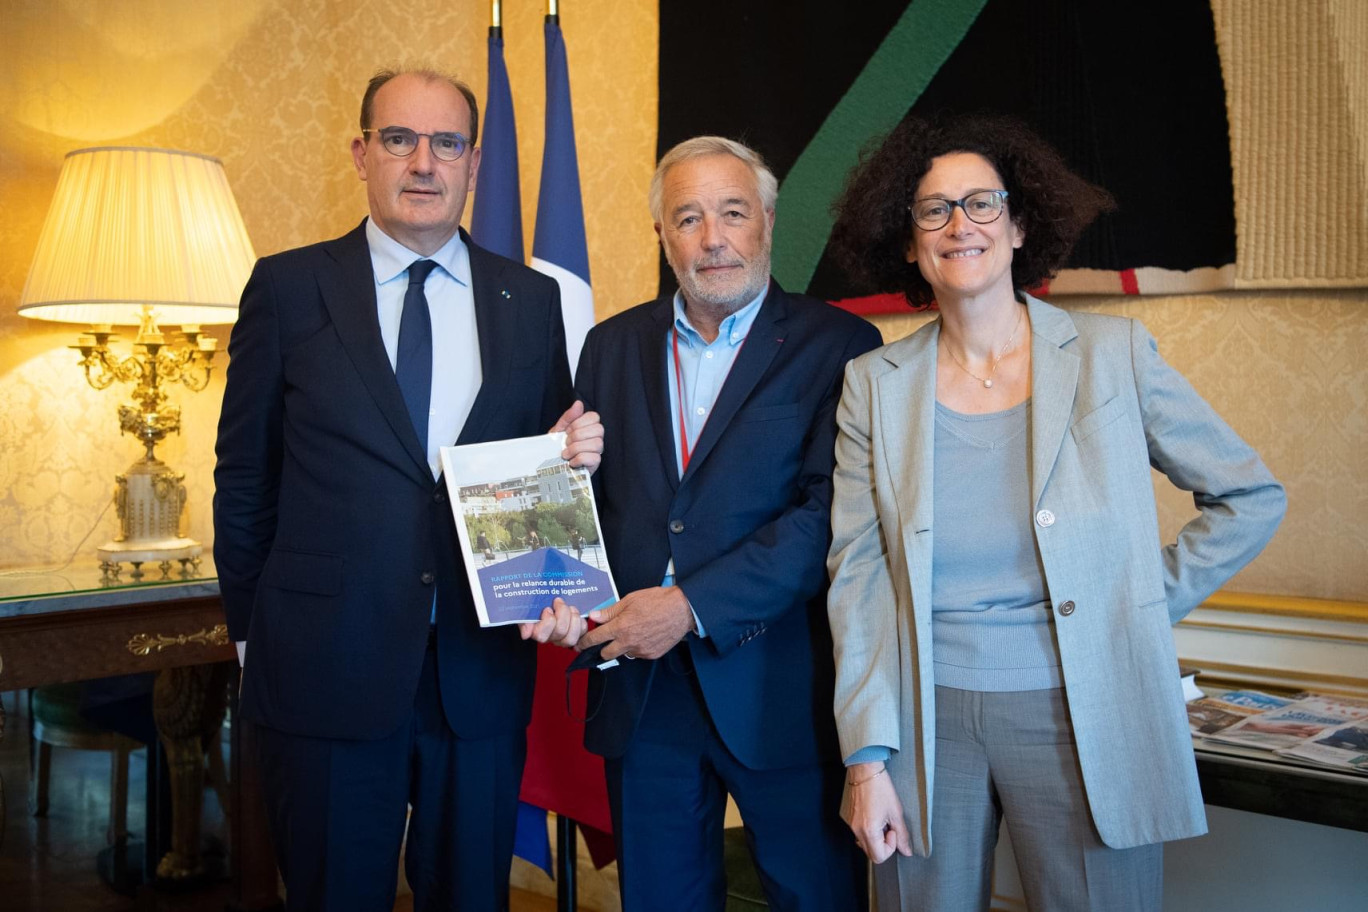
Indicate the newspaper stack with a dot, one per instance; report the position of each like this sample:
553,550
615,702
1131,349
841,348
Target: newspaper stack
1345,747
1209,715
1315,728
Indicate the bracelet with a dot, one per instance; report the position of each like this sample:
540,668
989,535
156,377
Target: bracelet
869,778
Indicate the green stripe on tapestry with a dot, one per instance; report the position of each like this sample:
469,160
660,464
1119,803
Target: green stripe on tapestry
890,83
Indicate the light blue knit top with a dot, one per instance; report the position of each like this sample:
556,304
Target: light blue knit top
992,628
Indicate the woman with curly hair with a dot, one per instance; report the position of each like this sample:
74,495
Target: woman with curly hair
1000,601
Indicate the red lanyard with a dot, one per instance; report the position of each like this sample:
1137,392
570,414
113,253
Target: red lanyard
679,394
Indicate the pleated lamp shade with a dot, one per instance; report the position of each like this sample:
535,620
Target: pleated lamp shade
130,227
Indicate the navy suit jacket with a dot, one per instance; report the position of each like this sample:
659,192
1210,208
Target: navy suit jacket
747,525
330,533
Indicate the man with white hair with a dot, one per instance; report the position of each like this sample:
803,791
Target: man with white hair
719,405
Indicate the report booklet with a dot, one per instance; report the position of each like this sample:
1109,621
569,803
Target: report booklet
528,527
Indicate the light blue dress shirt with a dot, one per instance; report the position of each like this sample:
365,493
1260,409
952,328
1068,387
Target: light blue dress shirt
704,366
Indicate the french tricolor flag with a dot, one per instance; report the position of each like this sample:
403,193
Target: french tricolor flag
560,775
496,221
558,246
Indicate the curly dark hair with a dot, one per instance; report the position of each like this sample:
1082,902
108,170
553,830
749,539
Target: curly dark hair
1050,203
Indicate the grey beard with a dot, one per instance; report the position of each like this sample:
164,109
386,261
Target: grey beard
695,292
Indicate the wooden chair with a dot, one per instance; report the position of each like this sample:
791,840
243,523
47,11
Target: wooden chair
55,712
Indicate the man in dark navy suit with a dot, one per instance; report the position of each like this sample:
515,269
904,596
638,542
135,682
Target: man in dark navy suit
714,495
372,687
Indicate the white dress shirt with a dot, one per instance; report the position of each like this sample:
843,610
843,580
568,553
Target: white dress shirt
455,339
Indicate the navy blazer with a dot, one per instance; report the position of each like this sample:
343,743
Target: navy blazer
747,525
330,533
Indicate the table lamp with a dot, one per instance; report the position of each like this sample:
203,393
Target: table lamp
135,236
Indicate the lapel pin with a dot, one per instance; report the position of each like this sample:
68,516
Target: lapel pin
505,293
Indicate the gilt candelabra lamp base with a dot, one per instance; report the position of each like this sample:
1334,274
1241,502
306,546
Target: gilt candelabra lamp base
150,498
150,495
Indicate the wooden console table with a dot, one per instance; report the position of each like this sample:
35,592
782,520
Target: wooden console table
71,625
1263,785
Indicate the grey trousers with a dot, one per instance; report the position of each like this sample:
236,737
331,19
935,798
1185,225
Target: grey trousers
1012,756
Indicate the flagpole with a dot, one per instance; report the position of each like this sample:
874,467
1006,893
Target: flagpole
567,841
559,249
567,864
495,19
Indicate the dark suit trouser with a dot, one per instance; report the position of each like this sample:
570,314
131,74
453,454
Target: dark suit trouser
668,796
337,811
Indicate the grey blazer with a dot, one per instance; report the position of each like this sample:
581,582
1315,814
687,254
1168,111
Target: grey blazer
1105,408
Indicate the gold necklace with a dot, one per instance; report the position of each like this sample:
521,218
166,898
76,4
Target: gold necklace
988,380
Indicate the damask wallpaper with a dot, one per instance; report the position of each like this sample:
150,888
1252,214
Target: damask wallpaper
272,87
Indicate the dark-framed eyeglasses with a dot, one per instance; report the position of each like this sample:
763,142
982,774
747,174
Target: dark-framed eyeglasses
402,141
982,207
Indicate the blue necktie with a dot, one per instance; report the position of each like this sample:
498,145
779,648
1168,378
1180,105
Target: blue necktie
413,363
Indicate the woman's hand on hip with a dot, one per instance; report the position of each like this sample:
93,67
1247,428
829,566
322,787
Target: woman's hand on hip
876,815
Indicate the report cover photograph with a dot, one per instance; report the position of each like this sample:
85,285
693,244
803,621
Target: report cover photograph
528,528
